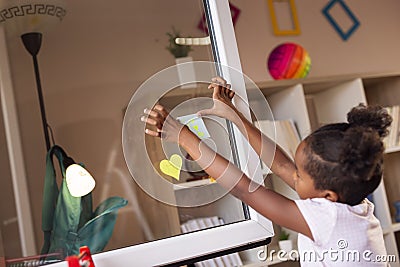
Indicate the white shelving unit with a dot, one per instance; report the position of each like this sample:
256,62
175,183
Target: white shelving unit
392,149
313,102
202,182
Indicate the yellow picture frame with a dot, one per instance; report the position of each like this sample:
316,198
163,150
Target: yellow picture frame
274,20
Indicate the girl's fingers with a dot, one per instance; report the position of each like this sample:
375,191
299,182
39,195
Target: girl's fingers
219,85
219,80
220,91
216,88
161,110
214,85
150,121
158,112
152,133
227,91
154,117
152,113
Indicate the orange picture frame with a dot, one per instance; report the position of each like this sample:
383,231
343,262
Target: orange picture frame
295,30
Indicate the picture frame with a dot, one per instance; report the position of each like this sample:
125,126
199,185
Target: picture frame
345,35
295,30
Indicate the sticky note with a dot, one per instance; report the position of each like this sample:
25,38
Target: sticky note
195,124
172,166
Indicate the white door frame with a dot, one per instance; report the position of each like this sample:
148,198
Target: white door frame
15,153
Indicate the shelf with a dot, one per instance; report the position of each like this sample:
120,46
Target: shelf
316,84
386,230
396,227
392,149
192,184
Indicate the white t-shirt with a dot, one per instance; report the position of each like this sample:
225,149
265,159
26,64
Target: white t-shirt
343,235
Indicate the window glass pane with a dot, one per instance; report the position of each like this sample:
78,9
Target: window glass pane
107,59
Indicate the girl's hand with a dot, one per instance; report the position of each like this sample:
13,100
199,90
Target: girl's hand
166,126
222,96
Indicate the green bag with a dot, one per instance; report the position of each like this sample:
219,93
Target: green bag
69,222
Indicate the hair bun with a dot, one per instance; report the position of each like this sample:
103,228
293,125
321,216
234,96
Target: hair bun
375,117
362,150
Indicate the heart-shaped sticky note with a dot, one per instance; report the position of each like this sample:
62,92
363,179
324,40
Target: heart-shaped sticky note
172,167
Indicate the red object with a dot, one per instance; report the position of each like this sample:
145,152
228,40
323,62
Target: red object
86,256
235,11
73,261
82,259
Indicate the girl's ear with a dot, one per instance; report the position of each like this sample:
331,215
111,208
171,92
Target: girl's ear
330,195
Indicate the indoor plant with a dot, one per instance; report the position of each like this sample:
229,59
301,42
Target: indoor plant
184,63
178,51
285,243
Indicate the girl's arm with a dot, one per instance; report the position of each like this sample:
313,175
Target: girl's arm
268,203
282,165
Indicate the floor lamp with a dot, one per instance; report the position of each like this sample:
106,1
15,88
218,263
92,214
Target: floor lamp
32,42
79,181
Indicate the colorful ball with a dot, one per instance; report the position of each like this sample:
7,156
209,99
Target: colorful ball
289,61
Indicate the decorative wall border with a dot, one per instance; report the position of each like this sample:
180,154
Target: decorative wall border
32,9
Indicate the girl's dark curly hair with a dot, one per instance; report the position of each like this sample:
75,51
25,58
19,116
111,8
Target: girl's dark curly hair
347,158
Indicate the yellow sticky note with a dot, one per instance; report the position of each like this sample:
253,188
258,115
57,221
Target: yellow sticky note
172,167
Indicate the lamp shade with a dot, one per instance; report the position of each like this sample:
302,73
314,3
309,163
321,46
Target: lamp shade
79,181
23,16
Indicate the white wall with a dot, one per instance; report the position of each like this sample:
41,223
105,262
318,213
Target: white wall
372,47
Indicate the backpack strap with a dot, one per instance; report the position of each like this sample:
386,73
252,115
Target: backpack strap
50,194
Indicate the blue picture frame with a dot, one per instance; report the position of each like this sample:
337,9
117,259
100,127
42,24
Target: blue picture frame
345,35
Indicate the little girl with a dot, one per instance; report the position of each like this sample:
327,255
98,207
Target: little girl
334,170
